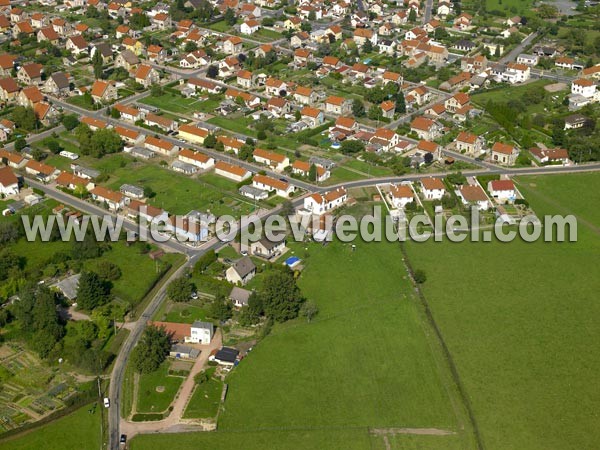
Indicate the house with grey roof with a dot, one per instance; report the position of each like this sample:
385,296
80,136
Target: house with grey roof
242,271
239,296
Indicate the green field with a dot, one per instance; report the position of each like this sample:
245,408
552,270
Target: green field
179,194
205,400
77,431
173,103
148,398
510,7
367,361
520,320
504,94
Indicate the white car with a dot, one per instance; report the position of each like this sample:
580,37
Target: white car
106,402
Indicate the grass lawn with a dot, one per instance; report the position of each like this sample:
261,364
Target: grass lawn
368,346
205,400
512,7
79,100
173,103
520,319
221,26
76,431
149,399
183,313
179,194
340,174
237,124
367,168
505,94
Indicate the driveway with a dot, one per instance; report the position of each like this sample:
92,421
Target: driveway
174,422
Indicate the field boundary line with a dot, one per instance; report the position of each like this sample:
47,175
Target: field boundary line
446,352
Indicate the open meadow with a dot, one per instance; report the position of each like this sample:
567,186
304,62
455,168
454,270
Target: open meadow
367,361
520,321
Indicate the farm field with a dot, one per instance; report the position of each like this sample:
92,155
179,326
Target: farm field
522,347
326,368
79,430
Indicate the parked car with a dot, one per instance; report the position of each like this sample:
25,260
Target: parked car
123,439
106,402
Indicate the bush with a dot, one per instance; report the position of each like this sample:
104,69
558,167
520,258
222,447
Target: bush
419,276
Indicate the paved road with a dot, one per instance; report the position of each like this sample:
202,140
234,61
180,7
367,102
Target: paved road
428,11
518,49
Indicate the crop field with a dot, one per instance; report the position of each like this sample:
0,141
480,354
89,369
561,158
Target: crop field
520,319
365,362
30,389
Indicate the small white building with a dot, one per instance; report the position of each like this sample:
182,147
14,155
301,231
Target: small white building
433,188
201,333
321,203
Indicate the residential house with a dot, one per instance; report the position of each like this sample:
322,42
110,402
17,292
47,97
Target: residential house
468,143
502,190
320,204
267,249
457,102
401,195
274,160
305,95
233,45
30,73
432,188
241,271
9,89
338,105
250,26
162,146
504,153
549,156
302,168
192,133
231,171
312,116
57,84
197,159
474,195
104,91
9,183
426,129
146,75
127,60
270,184
76,44
164,123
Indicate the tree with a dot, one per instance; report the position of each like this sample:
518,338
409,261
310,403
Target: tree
229,17
287,208
212,71
358,108
190,47
306,26
88,248
428,158
419,276
456,178
25,118
400,103
312,173
280,295
220,309
205,261
412,15
352,146
108,271
92,291
20,144
368,46
114,113
180,290
152,350
97,63
375,112
309,310
70,121
210,141
53,145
